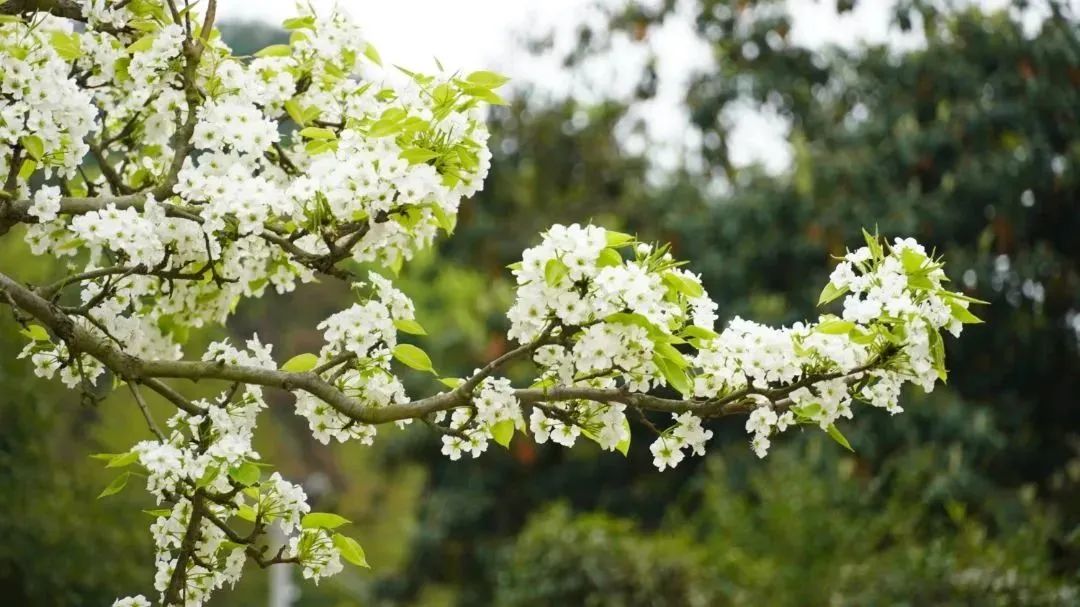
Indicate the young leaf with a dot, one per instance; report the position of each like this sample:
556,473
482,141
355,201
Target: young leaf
292,107
835,326
683,285
36,333
372,54
669,352
962,314
447,221
503,432
124,459
418,155
555,271
836,435
830,293
27,168
33,146
409,326
674,375
699,332
624,445
451,382
142,44
300,363
316,132
68,46
246,513
246,474
296,23
414,357
116,486
350,550
617,239
275,50
487,79
324,520
609,257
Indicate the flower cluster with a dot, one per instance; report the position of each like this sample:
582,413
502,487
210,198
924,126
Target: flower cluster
206,471
622,306
493,406
45,116
894,308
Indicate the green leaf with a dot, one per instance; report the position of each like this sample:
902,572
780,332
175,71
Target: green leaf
116,486
27,168
246,474
418,155
554,271
142,44
962,314
316,132
68,46
299,23
912,260
617,239
837,436
409,326
36,333
675,376
937,352
699,332
292,108
414,357
33,146
124,459
503,432
209,475
300,363
246,513
447,221
350,550
323,520
485,94
835,326
669,352
829,293
873,243
105,456
318,146
159,512
624,445
609,257
683,285
371,53
487,79
275,50
451,382
630,318
961,297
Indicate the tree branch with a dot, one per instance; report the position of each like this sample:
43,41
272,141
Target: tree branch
150,372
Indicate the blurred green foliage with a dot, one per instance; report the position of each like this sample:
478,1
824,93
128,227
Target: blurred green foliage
809,528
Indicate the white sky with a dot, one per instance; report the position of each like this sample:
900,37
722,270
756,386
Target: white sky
485,34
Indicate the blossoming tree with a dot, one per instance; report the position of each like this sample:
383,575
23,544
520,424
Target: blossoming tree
174,179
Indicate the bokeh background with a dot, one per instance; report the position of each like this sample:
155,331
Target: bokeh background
758,137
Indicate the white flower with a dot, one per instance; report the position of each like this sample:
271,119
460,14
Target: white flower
132,601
